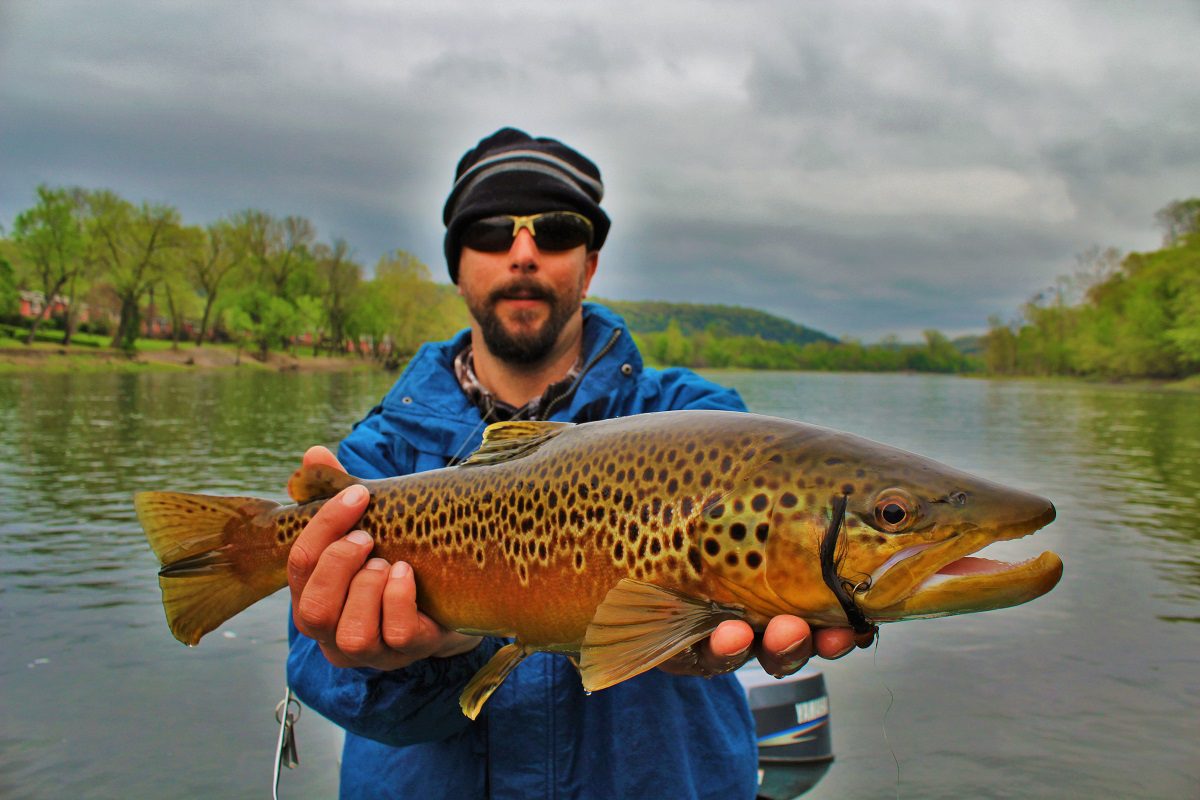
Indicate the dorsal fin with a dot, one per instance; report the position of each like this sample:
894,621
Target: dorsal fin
318,482
504,441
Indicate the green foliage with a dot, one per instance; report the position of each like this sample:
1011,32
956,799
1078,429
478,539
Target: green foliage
10,297
1137,317
671,348
691,320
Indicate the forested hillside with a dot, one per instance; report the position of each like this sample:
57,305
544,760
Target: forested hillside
718,320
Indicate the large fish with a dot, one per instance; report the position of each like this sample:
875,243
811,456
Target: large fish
619,543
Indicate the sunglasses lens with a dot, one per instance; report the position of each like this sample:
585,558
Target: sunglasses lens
560,231
490,235
555,230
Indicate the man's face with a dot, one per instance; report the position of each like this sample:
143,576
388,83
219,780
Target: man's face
523,299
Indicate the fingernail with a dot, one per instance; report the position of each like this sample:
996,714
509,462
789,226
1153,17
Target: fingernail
792,649
740,653
354,495
359,537
376,564
400,570
842,652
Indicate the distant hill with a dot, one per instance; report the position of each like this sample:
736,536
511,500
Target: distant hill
653,317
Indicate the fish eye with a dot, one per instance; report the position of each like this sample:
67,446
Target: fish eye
895,511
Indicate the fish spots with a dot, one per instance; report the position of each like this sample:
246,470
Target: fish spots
672,486
754,560
693,556
788,500
737,532
731,559
716,511
761,531
712,546
759,502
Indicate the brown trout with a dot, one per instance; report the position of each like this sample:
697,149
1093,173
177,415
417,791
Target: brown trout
619,543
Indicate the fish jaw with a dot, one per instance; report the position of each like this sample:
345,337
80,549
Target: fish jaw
943,578
971,584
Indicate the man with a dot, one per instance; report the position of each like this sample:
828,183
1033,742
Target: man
524,230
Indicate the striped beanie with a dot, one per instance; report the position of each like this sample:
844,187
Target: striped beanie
510,172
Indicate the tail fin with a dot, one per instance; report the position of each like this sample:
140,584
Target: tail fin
219,556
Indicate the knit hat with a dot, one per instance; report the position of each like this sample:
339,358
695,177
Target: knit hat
510,172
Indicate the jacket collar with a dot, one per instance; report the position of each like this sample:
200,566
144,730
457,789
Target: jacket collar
427,407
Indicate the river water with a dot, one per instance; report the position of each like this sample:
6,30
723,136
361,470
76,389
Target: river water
1090,691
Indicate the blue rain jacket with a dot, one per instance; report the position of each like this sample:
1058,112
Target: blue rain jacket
539,735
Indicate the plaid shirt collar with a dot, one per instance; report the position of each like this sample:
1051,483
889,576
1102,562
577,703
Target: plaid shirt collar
494,410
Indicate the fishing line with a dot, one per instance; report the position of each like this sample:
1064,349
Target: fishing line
457,453
891,701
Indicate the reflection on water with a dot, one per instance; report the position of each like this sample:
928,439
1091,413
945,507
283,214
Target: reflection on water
1087,692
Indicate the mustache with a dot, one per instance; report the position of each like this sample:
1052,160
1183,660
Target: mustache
522,289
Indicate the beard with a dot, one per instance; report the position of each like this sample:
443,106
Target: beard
524,346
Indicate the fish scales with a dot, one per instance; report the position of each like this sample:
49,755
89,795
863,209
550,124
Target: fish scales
623,541
538,541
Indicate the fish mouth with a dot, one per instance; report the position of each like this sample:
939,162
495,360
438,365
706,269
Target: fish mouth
944,578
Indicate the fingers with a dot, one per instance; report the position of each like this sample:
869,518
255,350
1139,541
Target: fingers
317,603
314,456
331,522
726,649
786,646
836,642
405,628
358,624
409,633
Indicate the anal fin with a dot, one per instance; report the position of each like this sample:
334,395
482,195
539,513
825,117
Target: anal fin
489,678
639,626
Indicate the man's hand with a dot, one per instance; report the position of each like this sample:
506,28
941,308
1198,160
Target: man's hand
786,645
361,611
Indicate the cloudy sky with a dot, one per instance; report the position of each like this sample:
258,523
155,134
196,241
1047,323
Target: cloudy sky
864,168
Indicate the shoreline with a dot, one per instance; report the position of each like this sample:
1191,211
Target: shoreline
187,358
52,358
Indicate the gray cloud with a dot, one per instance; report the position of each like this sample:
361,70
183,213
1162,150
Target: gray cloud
861,167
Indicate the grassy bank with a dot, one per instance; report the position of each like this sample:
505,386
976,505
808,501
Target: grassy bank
91,353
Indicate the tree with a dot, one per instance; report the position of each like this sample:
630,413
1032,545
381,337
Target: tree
51,244
1179,218
131,244
278,248
211,256
10,296
338,276
410,300
175,283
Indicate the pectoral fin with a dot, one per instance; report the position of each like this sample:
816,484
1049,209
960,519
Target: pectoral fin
639,626
493,673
